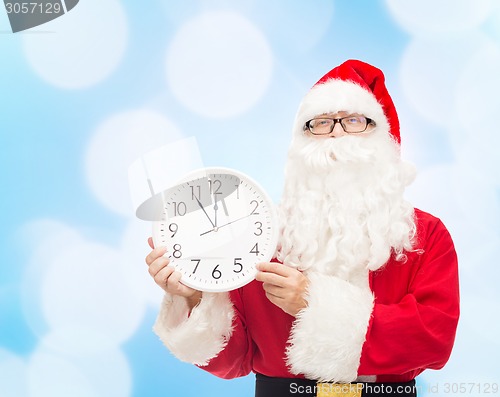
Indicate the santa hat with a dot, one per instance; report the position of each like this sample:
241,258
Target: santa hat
354,87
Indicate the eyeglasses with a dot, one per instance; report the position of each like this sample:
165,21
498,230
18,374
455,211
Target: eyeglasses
350,124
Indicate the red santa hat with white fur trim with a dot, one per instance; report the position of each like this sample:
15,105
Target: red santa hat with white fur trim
354,87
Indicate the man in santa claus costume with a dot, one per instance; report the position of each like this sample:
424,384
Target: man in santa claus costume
363,294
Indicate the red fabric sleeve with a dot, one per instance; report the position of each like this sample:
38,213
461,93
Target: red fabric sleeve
236,358
418,331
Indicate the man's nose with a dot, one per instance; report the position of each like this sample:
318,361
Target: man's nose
337,131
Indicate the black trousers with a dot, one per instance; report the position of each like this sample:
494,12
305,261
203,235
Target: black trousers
284,387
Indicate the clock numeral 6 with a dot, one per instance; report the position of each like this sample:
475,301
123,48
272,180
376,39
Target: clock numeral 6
238,264
216,273
177,251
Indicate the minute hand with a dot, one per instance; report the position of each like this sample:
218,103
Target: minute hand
201,206
225,224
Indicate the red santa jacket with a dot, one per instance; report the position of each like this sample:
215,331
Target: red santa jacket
402,323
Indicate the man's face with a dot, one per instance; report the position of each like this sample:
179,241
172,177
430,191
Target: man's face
342,197
338,124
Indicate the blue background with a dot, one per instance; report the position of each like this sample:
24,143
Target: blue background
83,96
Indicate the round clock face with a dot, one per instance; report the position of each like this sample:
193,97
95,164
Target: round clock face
217,225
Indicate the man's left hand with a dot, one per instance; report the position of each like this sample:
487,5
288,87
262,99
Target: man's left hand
285,287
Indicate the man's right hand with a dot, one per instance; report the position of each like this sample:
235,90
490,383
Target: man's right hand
167,278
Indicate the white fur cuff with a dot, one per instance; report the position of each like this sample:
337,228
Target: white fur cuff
327,336
201,336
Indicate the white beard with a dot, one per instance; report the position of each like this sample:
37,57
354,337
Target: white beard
343,209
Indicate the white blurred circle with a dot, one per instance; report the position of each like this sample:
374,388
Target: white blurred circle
479,153
219,64
432,191
12,375
50,375
476,314
430,70
116,143
85,288
448,192
477,197
79,339
56,375
46,239
476,139
300,26
477,93
135,248
430,17
84,46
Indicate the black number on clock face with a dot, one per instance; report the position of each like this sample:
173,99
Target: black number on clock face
259,228
177,251
173,227
254,202
214,186
239,266
180,208
255,249
196,192
216,273
197,263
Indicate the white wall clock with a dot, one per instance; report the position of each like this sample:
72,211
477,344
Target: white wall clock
217,225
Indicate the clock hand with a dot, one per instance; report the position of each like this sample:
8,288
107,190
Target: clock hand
225,207
236,220
201,206
215,210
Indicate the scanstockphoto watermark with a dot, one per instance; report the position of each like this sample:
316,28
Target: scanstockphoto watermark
446,388
25,15
351,389
330,388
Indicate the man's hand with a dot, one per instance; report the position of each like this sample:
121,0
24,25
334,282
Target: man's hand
167,278
284,286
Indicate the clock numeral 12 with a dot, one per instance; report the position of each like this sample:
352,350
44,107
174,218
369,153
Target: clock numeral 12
214,186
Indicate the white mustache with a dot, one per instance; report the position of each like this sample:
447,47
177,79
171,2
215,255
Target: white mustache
319,153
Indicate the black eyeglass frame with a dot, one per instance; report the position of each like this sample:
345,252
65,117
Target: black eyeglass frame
340,121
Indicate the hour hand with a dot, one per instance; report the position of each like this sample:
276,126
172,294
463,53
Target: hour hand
203,208
225,224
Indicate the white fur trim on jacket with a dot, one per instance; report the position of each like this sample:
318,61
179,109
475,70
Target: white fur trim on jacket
327,337
339,95
198,337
